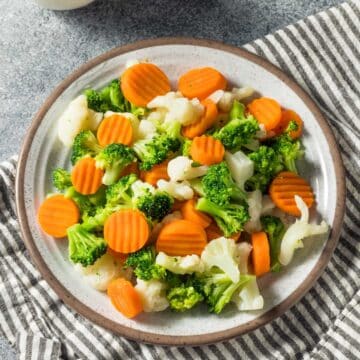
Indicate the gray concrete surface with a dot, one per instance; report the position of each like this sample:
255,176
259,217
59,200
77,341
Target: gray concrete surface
38,48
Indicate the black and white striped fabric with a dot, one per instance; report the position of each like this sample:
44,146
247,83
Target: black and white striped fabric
322,53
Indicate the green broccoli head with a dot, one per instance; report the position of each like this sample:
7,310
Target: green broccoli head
219,187
85,144
183,297
172,129
86,207
113,160
61,179
120,192
218,288
275,230
239,131
186,147
96,220
156,150
155,206
143,263
84,247
94,100
267,163
230,218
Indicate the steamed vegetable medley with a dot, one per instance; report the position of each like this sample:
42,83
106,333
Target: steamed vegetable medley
177,198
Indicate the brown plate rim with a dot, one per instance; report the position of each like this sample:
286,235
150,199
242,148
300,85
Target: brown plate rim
148,337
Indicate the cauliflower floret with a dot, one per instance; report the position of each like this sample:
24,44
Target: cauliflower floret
241,167
293,236
75,118
103,271
216,96
242,253
228,97
248,296
221,252
146,130
152,294
254,201
180,168
178,190
140,188
181,264
267,205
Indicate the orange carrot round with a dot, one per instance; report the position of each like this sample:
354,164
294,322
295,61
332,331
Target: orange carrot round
86,177
260,253
126,231
190,213
115,129
56,214
284,188
124,297
267,112
181,238
286,117
142,82
206,121
206,150
156,173
201,82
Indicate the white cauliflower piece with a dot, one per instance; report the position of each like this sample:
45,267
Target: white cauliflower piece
216,96
267,205
146,130
242,253
180,264
241,167
178,190
94,119
248,296
180,169
226,101
254,201
140,188
221,252
103,271
152,294
293,236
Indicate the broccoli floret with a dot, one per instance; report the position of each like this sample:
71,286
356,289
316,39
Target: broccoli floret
155,206
113,160
218,288
96,221
143,263
275,230
239,131
120,192
185,147
156,150
172,129
61,179
267,163
84,247
183,297
219,186
85,144
94,100
230,218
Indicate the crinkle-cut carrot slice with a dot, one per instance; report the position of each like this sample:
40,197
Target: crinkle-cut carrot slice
115,129
206,150
266,111
126,231
286,117
142,82
86,177
206,121
284,188
201,82
56,214
181,238
260,253
156,173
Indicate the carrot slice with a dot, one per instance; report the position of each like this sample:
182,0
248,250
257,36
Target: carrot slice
115,129
190,213
214,232
142,82
56,214
124,297
206,150
206,121
283,189
177,205
286,117
126,231
266,111
201,82
260,253
132,168
156,173
180,238
86,177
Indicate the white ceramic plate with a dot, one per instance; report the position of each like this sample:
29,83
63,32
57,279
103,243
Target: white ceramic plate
322,166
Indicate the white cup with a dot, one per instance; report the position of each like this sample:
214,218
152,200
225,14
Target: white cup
63,4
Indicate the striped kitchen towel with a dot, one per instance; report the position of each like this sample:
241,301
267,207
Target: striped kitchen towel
322,53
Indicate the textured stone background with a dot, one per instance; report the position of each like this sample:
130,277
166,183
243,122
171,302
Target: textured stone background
38,48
